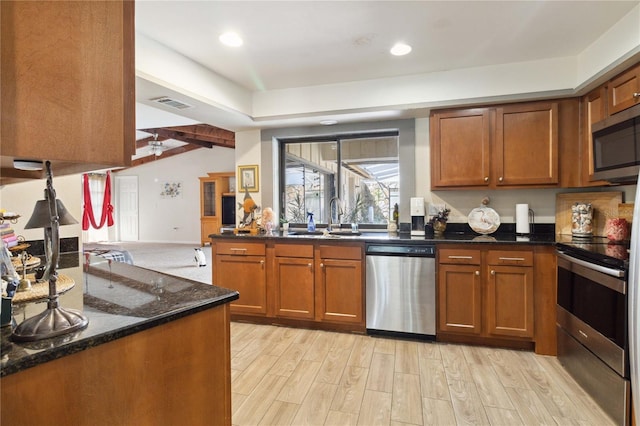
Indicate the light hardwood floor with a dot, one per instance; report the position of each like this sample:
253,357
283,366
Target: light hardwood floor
286,376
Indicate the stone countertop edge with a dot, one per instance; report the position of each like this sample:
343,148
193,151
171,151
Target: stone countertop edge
383,237
18,357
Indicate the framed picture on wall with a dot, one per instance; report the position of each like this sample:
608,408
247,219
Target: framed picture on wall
248,176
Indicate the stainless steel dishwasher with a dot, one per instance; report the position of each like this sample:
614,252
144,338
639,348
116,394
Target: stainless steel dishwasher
401,289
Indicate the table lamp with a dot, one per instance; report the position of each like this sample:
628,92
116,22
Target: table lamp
49,214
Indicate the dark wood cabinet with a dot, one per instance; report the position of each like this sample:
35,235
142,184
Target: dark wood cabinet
68,85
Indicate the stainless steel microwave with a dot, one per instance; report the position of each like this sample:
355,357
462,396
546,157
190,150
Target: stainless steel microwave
616,147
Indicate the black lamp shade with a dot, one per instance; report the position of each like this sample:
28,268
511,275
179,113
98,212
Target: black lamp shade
41,218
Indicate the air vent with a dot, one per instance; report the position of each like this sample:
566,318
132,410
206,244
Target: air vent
170,102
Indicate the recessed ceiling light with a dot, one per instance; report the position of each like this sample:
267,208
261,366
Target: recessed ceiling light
230,39
400,49
329,122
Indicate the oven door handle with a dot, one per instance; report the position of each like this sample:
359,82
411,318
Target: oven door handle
609,271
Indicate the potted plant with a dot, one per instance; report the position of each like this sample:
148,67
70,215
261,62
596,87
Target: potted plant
439,221
284,222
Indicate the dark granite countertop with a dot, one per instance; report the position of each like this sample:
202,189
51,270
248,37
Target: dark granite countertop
119,300
456,233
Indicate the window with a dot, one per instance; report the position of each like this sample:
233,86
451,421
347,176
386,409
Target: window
359,171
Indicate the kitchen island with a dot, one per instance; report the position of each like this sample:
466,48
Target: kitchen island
156,351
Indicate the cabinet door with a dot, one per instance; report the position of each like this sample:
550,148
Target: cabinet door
460,148
208,226
294,294
459,299
526,144
247,275
339,291
68,87
624,90
594,109
510,301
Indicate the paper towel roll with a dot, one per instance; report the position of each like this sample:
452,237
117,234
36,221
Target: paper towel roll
522,218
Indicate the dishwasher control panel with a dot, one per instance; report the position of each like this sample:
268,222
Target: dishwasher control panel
416,250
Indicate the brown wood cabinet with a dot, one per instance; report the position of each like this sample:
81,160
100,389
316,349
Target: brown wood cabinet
241,266
68,85
188,356
623,91
340,284
213,188
301,283
460,148
594,109
486,292
509,290
293,278
507,146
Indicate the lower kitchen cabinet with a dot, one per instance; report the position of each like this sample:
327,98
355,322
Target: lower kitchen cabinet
339,284
310,284
242,267
486,293
293,280
509,291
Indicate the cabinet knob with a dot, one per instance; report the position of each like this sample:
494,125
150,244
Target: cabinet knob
322,265
493,272
477,272
486,178
309,265
262,264
636,94
500,179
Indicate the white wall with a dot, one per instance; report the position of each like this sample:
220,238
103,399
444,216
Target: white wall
175,219
20,198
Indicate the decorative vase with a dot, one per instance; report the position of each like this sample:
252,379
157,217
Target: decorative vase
439,227
582,220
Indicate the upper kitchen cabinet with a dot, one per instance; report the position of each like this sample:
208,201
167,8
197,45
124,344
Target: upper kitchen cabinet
593,109
506,146
624,91
67,82
460,148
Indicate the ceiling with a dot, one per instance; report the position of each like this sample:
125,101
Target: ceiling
292,44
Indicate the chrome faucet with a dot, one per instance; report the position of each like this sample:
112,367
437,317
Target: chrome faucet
339,212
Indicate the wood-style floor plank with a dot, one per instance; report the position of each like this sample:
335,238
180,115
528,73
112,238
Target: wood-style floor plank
284,376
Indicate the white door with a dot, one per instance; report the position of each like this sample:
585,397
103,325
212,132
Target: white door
127,207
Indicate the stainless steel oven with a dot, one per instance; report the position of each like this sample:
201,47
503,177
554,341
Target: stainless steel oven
592,329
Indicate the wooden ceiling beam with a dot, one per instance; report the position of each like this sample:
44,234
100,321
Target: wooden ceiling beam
199,134
165,154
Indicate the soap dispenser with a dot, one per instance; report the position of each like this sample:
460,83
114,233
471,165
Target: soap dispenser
311,226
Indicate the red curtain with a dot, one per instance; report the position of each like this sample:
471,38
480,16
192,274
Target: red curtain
107,208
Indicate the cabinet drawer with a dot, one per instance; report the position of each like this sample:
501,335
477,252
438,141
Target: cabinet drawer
459,256
294,250
340,252
508,257
240,248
